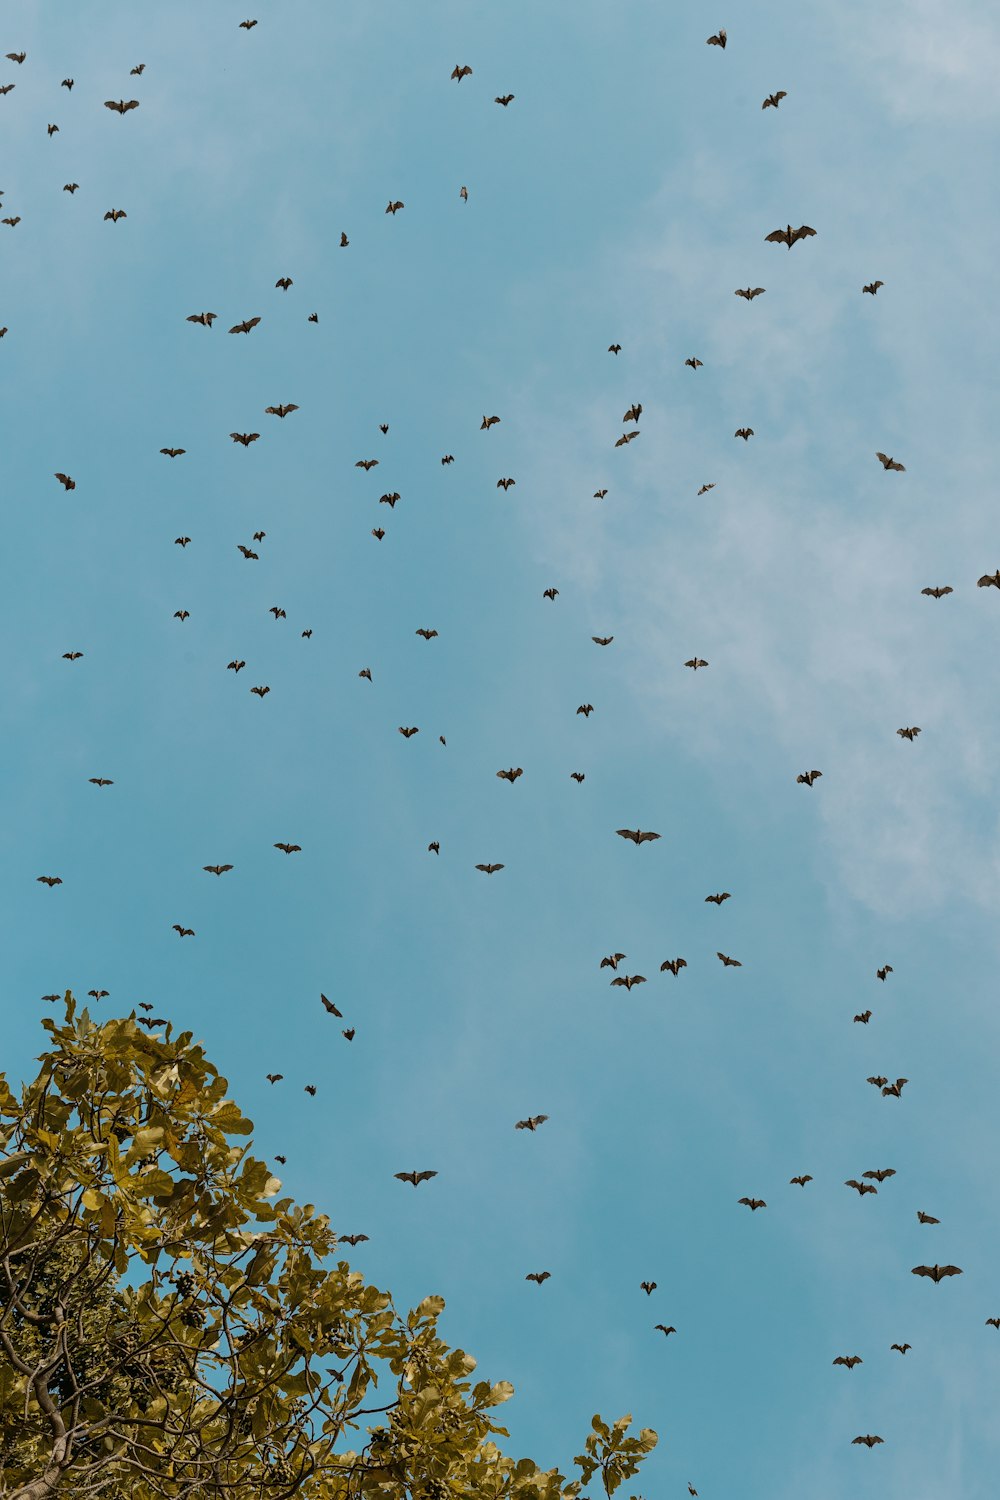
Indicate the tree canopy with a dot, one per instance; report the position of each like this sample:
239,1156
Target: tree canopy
172,1326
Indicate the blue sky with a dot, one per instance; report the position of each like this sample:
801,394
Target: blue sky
621,198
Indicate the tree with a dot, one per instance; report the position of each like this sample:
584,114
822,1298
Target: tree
172,1327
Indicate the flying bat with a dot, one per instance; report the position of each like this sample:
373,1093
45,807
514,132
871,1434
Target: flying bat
808,777
70,187
626,437
800,1181
289,848
993,1323
877,1080
753,1203
246,438
378,533
750,292
66,482
173,452
353,1239
549,593
330,1008
881,1173
890,463
511,775
427,635
602,640
278,612
51,130
114,214
901,1348
434,847
13,222
881,973
635,834
538,1276
673,965
773,100
449,458
71,655
216,869
694,363
461,72
245,326
894,1090
100,781
910,733
49,880
628,980
664,1329
861,1188
393,208
612,960
349,1034
746,433
719,40
503,99
696,662
634,412
864,1017
577,776
729,963
788,235
366,464
235,666
487,423
280,411
926,1218
98,994
489,869
848,1360
206,319
366,672
183,931
719,897
868,1440
182,614
587,709
505,484
284,282
531,1123
137,70
415,1177
938,593
248,553
873,287
390,499
247,25
989,578
121,106
310,1089
614,348
937,1272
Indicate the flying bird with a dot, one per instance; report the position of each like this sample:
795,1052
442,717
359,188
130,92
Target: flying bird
750,292
635,834
531,1123
788,235
773,100
890,463
416,1178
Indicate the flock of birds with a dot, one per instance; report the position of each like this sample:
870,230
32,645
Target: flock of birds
871,1180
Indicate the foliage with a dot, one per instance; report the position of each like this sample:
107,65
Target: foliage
172,1327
